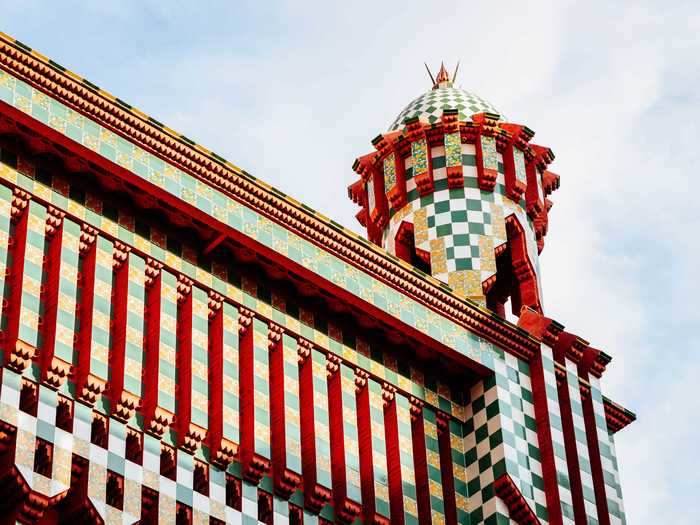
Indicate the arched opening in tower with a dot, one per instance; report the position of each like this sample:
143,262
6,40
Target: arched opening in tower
405,248
515,280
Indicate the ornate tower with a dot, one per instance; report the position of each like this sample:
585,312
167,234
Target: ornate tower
459,192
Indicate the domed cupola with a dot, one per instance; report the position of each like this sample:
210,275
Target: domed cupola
459,192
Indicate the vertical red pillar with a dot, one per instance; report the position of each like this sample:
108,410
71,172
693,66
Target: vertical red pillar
221,455
17,249
253,466
183,401
420,462
544,438
50,289
364,438
560,350
88,261
117,351
151,345
446,469
393,458
285,481
588,366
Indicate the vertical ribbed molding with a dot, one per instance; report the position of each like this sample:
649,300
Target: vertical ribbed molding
56,353
160,340
315,435
485,146
127,331
446,467
393,455
590,369
514,163
222,436
567,353
420,461
96,255
5,245
555,470
27,256
345,455
192,364
405,455
254,397
284,413
373,476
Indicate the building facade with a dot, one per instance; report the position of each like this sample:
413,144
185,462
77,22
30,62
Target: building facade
182,343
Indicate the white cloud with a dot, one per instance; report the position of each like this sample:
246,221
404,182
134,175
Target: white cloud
294,91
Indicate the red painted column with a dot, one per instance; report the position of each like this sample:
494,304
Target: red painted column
364,438
222,454
345,509
183,401
588,366
446,470
544,438
393,458
420,462
88,253
49,299
285,481
315,495
253,466
17,249
117,352
151,344
564,342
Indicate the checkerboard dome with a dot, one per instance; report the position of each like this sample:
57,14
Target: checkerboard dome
429,106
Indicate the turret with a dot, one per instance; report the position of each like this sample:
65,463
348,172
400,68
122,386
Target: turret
458,191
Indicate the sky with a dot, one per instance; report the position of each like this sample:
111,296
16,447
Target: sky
293,92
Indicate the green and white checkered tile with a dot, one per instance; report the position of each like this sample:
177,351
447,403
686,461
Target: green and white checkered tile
581,441
608,459
29,428
501,438
460,227
429,106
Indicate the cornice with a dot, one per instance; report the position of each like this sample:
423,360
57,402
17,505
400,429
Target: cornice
178,150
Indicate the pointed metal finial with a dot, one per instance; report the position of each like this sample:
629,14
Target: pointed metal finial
429,73
454,75
443,75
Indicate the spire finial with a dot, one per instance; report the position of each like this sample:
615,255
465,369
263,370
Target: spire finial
443,77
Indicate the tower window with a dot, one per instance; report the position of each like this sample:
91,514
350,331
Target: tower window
134,448
405,249
514,280
233,492
64,414
264,507
201,478
98,434
115,490
43,457
167,462
28,398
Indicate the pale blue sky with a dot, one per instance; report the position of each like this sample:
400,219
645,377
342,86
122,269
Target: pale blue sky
294,91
